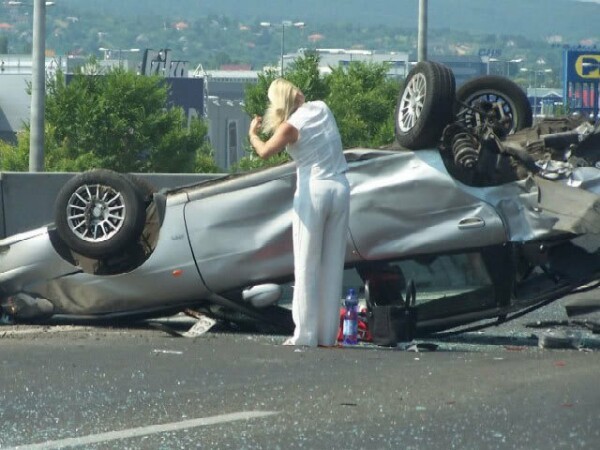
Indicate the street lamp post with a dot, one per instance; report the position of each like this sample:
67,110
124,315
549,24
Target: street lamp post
38,82
507,61
283,24
512,61
422,32
535,84
120,51
38,86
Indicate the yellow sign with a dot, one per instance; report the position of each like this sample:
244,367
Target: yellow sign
588,66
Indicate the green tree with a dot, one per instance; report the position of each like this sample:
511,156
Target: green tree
303,72
255,95
119,121
363,100
255,104
361,97
15,158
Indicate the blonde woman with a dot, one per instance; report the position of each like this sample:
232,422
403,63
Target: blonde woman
321,205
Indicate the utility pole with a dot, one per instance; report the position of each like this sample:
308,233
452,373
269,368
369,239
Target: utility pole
283,24
282,44
38,88
422,35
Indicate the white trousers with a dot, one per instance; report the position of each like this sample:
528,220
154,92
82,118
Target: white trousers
320,224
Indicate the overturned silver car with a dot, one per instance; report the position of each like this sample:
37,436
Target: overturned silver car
488,214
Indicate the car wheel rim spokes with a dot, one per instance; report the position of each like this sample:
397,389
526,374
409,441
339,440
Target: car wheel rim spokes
503,113
411,103
95,213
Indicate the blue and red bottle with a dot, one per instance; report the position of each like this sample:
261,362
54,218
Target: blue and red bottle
350,327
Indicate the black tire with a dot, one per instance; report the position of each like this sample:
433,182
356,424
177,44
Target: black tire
490,88
449,87
99,213
424,106
144,187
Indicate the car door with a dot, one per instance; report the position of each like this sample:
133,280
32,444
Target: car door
405,203
240,230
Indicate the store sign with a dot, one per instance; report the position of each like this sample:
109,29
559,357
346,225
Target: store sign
160,63
490,52
581,88
581,65
588,66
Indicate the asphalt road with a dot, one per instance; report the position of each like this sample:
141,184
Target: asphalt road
140,388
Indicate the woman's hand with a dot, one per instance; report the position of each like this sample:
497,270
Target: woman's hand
255,125
284,134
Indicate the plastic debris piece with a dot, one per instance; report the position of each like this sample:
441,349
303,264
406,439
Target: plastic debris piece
5,319
555,341
202,325
169,352
418,347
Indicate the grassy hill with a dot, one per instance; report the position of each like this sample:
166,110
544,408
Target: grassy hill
535,19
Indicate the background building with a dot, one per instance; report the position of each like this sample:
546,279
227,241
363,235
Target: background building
400,63
335,57
218,96
15,101
228,122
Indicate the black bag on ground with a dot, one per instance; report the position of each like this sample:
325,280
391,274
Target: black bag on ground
391,318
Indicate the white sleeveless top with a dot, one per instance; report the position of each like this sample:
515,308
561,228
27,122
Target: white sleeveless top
319,145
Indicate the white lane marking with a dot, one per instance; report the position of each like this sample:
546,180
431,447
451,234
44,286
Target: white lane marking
143,431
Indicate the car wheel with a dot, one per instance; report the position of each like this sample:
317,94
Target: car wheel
476,96
424,105
99,213
144,187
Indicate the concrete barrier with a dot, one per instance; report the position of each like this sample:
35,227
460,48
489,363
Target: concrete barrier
27,198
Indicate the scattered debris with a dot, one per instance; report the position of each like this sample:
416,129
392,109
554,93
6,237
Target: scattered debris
169,352
586,309
202,325
5,319
514,348
24,306
551,340
418,347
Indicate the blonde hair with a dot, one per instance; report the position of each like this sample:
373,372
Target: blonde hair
282,103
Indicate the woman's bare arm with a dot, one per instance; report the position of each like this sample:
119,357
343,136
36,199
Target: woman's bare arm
284,134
